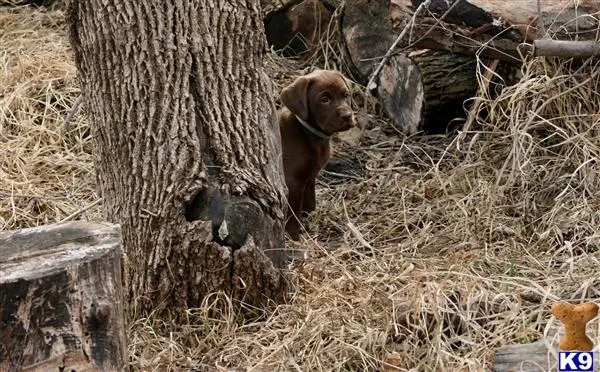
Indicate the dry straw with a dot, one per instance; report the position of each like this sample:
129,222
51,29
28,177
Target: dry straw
434,255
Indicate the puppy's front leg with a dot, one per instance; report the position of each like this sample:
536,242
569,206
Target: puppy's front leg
310,203
295,199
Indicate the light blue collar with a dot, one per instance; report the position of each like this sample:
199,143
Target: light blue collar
311,129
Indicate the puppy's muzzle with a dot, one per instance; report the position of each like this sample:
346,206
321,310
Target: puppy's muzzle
346,117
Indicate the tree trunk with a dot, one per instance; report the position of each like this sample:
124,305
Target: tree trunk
61,301
186,145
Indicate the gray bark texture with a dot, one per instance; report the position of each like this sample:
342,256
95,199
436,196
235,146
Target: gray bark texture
186,145
61,299
541,355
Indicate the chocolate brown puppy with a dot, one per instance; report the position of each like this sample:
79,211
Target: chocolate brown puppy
316,106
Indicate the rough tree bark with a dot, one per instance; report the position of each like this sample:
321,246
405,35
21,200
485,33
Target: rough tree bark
61,305
186,145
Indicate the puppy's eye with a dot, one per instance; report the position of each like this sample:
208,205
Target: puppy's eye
324,99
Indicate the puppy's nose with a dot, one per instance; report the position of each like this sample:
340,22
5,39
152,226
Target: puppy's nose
345,113
346,116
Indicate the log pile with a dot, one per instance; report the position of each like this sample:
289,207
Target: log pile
431,75
432,70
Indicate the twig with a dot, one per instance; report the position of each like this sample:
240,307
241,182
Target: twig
342,175
565,48
65,127
359,237
12,195
539,16
354,230
77,213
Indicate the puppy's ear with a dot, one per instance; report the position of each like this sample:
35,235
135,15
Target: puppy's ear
346,81
295,97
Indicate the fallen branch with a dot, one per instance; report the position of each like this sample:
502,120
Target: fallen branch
565,48
65,127
80,211
449,40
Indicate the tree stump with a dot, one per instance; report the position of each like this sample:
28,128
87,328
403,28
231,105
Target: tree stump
61,298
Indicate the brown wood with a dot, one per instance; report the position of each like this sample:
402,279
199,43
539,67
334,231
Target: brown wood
444,81
186,144
366,37
541,355
496,28
448,80
61,300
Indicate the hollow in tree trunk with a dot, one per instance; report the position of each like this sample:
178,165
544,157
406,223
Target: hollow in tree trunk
186,145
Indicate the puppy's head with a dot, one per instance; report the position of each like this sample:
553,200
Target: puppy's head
321,98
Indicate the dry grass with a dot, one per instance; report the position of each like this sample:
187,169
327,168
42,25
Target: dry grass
442,250
43,176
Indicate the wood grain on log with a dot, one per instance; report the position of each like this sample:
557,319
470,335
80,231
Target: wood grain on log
365,30
61,298
538,356
448,80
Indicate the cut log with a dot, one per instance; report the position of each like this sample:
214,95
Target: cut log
538,356
296,27
366,35
444,55
448,80
61,298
